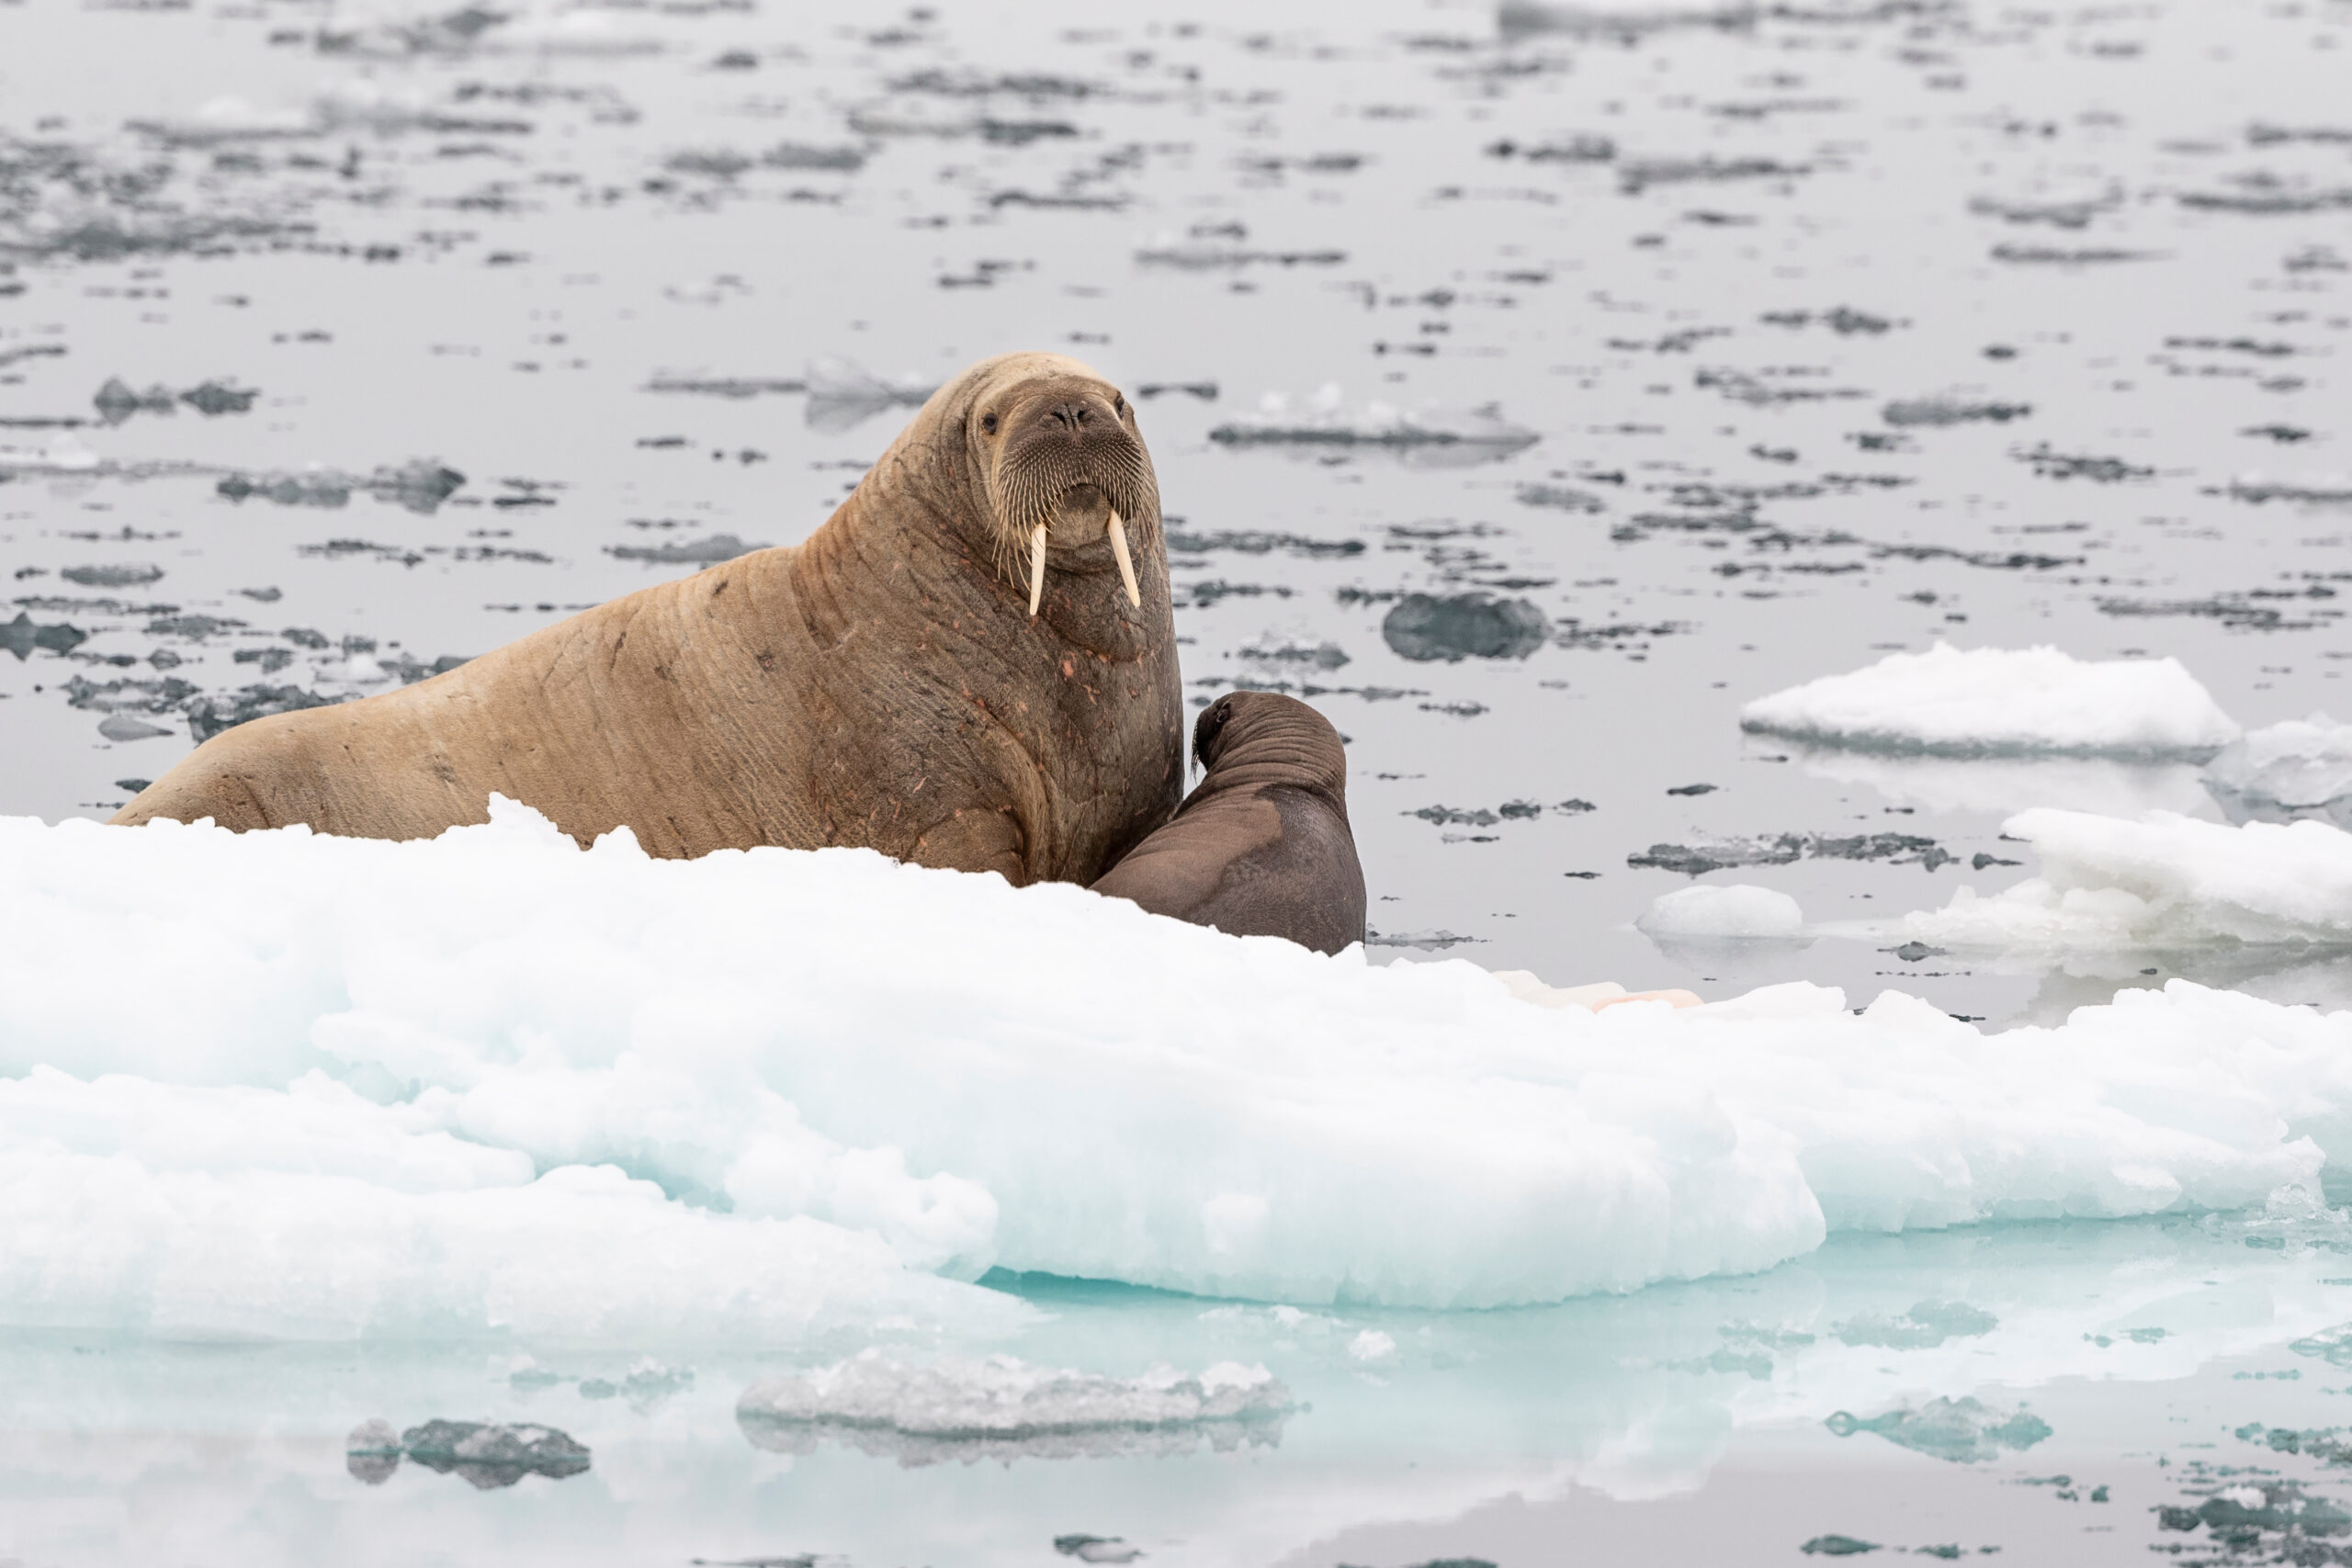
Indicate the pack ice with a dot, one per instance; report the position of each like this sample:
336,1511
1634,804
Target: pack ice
1993,700
280,1084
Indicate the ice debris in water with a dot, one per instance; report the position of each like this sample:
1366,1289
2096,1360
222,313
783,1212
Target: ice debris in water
843,395
419,486
2162,881
484,1082
2301,767
711,549
1002,1407
486,1456
23,635
1925,1326
1963,1430
1992,700
1436,435
1736,909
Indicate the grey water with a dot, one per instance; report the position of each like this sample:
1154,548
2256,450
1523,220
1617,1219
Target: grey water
339,342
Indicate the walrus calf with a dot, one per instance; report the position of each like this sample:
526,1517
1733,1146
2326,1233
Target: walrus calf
970,664
1262,846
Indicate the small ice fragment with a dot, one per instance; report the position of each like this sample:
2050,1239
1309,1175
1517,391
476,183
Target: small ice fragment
490,1456
372,1451
120,729
843,395
1425,626
1737,909
1097,1548
1371,1345
1002,1407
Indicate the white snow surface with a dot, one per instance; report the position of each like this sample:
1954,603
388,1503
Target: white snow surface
1993,700
285,1085
1723,909
2303,764
2161,881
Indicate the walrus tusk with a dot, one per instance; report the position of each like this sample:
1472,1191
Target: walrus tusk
1126,562
1036,569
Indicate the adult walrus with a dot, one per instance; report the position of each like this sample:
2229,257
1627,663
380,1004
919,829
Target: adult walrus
1262,847
970,664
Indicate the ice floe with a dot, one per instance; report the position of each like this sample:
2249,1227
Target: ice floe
1002,1407
281,1084
2302,767
1439,436
2160,881
1991,700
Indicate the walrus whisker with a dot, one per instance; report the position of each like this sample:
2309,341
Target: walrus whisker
1036,568
1126,563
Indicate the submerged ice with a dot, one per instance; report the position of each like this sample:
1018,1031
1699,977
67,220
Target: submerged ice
493,1083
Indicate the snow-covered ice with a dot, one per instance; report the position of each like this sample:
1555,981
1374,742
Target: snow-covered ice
2160,881
1735,909
1992,700
307,1087
2301,767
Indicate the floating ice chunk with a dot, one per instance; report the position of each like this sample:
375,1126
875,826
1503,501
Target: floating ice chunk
1733,909
1926,1326
1429,434
1002,1407
60,455
1991,700
490,1456
790,1075
1371,1345
1621,18
2303,767
2163,881
843,395
1097,1548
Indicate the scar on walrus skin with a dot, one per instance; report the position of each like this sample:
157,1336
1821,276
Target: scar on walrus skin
1262,847
972,664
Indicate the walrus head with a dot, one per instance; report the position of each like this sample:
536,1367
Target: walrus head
1062,471
1246,739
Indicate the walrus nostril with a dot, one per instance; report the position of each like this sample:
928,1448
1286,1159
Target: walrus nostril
1070,416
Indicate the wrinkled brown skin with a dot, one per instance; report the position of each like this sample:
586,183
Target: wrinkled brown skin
1262,846
881,685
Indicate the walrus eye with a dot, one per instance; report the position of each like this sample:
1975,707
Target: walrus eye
987,424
